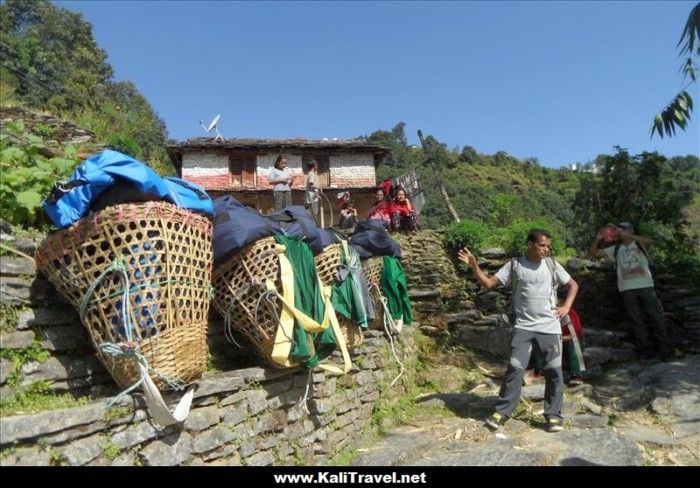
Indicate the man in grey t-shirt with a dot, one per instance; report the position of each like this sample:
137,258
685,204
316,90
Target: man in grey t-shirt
536,324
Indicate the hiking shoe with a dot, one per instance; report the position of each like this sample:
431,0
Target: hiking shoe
496,420
575,380
554,424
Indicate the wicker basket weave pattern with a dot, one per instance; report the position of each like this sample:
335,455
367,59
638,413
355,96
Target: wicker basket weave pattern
372,268
166,254
240,293
327,264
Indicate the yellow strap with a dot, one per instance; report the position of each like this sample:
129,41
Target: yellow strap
339,337
283,337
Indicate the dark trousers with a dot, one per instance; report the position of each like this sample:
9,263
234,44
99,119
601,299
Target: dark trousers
521,349
645,299
403,222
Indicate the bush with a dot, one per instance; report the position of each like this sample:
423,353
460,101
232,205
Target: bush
124,144
467,233
27,176
514,237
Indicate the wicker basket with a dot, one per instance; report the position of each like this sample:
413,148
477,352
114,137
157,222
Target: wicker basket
372,268
237,297
326,265
166,252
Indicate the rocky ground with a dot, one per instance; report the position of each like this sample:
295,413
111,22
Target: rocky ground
631,413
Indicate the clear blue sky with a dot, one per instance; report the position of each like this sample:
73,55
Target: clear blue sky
559,81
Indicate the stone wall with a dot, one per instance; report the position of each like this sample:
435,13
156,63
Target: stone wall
598,302
244,415
250,416
436,288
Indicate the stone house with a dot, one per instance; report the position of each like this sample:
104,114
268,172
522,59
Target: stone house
241,166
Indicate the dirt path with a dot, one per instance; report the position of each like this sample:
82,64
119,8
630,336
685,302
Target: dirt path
635,413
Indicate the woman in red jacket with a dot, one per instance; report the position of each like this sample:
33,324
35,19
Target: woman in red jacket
380,209
401,213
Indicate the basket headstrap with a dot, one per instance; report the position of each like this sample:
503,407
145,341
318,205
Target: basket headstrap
283,337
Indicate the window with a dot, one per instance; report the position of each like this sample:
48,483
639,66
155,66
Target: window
242,170
323,172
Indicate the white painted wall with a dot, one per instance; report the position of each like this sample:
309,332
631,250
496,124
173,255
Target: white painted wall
204,164
352,166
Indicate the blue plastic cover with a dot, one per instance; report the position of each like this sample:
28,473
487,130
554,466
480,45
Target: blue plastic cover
70,202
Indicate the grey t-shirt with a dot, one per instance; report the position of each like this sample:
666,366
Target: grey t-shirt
279,174
311,194
534,298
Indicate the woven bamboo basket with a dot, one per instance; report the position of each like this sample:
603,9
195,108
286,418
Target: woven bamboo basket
239,288
326,265
372,268
166,253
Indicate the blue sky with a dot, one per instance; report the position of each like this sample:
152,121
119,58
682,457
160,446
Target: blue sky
559,81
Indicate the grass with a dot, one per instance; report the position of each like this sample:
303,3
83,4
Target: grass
9,318
19,357
37,397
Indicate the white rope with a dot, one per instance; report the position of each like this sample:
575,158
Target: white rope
389,324
302,402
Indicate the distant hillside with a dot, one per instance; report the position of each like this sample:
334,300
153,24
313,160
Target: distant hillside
499,192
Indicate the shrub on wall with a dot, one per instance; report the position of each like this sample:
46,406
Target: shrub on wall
28,175
514,237
467,233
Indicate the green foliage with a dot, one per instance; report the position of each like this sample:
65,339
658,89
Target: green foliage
110,449
9,318
467,233
124,144
27,175
50,61
502,210
514,237
677,113
52,54
38,397
18,357
651,192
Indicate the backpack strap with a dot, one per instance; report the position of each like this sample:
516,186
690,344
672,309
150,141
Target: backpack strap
552,267
640,246
644,251
515,277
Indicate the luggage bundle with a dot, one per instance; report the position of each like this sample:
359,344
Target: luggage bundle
327,264
242,284
134,255
139,274
267,289
372,269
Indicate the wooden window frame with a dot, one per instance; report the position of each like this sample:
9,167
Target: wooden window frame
242,169
323,168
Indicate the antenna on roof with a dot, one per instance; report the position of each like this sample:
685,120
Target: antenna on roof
213,125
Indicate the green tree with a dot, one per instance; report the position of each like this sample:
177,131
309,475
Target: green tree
50,61
644,189
437,157
677,113
52,55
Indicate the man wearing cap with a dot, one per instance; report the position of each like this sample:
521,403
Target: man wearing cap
635,283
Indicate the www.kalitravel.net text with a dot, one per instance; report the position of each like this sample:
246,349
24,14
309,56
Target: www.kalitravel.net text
350,477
